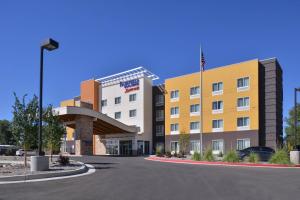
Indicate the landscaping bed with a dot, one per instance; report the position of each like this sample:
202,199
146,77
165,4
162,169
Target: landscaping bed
279,159
14,166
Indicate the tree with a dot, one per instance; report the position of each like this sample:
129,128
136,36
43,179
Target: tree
184,141
54,130
24,125
6,136
290,128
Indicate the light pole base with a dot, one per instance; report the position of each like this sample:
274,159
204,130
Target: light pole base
39,163
295,157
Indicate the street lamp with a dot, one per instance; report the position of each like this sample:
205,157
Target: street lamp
49,45
296,116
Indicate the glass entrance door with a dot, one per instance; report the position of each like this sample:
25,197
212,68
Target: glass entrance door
147,149
126,148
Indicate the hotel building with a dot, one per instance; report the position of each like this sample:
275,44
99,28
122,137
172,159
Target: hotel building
242,107
125,97
125,114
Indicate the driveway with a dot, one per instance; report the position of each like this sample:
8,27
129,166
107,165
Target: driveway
130,178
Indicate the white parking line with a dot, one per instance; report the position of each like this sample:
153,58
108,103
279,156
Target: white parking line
90,171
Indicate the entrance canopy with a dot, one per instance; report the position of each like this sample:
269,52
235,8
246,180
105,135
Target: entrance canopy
102,124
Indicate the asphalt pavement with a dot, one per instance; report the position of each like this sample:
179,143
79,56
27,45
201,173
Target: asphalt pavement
133,178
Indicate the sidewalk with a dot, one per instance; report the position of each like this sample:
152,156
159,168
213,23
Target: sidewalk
218,163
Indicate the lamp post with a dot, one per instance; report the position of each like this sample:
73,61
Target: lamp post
296,116
49,45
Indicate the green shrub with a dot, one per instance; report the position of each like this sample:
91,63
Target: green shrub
231,156
168,154
196,156
158,153
280,157
208,155
253,158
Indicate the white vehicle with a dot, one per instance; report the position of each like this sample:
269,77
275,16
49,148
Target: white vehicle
21,152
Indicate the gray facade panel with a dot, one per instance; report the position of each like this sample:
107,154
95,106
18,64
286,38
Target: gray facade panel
271,102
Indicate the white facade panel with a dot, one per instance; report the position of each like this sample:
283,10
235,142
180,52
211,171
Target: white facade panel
142,105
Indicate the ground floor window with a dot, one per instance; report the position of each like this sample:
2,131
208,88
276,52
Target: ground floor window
195,146
243,143
174,147
112,147
217,146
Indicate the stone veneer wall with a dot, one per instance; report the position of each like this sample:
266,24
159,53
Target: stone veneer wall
84,135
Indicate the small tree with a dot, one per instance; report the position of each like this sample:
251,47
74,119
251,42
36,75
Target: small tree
184,141
6,136
290,128
24,125
54,130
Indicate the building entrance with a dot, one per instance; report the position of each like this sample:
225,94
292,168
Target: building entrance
126,148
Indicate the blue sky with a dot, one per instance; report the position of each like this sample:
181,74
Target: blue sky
99,38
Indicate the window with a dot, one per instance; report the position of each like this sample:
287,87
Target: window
104,102
217,125
243,84
243,103
117,115
174,147
243,123
217,107
195,146
159,99
217,146
132,113
159,130
175,128
194,91
112,147
242,144
217,88
194,109
194,127
132,97
174,95
160,115
117,100
174,111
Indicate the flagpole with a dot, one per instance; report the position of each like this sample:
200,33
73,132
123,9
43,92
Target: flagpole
201,100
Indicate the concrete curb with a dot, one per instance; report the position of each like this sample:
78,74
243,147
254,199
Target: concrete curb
81,170
191,162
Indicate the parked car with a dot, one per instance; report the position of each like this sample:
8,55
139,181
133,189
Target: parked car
21,152
264,153
8,150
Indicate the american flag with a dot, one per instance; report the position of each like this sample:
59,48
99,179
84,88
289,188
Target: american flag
202,61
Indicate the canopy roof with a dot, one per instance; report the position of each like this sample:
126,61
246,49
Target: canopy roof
102,124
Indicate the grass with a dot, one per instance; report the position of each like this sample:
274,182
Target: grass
196,156
253,158
231,156
280,157
208,155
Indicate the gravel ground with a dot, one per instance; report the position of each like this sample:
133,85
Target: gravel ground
16,168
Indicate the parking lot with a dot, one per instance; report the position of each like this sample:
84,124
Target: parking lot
137,178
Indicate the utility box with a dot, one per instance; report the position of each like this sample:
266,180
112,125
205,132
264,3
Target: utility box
295,157
39,163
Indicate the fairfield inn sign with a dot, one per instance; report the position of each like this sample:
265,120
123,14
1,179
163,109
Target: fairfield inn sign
130,85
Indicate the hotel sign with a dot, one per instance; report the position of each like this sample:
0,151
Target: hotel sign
130,85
